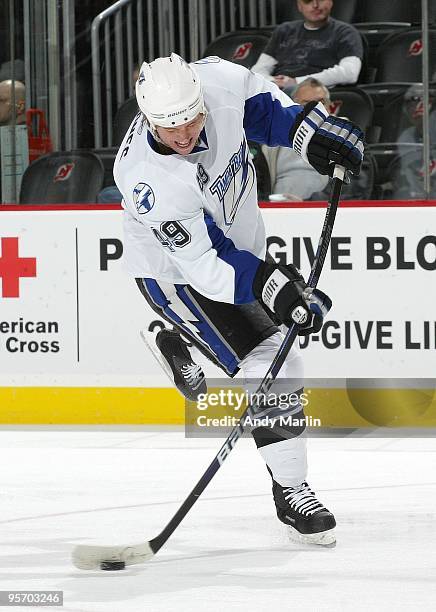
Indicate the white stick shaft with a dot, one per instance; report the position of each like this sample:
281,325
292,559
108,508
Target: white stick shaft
339,172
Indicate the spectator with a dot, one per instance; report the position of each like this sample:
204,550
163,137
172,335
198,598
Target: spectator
290,175
408,178
16,67
318,46
414,109
7,103
109,195
12,112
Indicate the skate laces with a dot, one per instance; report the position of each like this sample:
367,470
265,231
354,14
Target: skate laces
192,373
302,499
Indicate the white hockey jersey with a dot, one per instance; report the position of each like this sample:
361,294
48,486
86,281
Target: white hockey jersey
195,219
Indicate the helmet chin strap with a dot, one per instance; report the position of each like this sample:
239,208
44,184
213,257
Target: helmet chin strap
153,131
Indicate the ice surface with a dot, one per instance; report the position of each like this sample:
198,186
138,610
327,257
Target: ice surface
61,488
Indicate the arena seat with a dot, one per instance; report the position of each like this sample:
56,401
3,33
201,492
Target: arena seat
63,177
107,156
344,10
367,71
354,103
381,94
262,171
389,10
123,118
375,34
241,46
399,57
360,188
385,153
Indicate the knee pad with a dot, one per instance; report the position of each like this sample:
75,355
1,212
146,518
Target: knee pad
263,436
288,384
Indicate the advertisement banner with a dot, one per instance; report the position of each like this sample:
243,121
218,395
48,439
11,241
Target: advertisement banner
70,318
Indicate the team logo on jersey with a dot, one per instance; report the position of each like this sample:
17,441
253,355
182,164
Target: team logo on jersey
242,51
143,197
416,47
234,185
64,172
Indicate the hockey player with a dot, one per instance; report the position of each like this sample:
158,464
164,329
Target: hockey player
194,238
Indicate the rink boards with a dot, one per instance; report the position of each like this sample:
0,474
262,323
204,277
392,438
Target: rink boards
71,353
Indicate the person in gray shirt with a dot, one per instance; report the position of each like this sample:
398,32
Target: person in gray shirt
317,46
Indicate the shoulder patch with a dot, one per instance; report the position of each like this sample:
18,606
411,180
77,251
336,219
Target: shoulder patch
144,198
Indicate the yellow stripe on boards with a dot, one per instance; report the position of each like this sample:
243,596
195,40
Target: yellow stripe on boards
90,405
163,406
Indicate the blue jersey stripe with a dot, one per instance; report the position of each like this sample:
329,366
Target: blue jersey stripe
267,121
244,263
206,335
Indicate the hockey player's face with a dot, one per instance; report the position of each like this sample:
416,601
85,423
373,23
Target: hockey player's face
315,11
182,139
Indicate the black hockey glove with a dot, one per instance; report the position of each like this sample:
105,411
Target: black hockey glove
283,290
324,140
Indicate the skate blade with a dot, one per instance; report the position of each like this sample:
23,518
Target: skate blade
324,538
149,340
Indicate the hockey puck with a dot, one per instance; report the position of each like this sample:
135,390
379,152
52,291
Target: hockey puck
112,566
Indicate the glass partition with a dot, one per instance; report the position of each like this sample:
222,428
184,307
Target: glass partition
13,133
67,73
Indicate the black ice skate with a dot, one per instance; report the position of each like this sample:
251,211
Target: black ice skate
188,376
309,521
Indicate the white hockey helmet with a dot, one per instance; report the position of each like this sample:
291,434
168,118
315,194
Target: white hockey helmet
169,92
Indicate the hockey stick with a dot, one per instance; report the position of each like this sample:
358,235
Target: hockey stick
117,557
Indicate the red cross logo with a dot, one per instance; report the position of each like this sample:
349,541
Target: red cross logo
242,52
13,267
